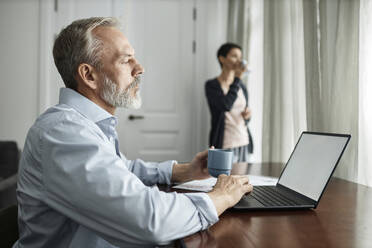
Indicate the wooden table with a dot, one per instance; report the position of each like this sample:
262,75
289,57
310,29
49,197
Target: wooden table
343,218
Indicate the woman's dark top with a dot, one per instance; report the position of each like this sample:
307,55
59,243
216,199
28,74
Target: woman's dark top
219,104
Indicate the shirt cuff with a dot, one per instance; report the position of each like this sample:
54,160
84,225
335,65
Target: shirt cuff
165,171
207,210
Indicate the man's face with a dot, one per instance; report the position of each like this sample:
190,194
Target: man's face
120,71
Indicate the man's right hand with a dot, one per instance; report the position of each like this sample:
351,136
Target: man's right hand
228,191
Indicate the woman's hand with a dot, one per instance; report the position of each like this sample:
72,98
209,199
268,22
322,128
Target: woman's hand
240,69
247,113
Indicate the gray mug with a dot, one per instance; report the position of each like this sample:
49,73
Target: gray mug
219,161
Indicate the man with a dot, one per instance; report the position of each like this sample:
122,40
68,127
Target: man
75,188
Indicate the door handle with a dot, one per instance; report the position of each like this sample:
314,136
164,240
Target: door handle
135,117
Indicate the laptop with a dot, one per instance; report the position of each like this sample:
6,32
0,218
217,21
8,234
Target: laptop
305,176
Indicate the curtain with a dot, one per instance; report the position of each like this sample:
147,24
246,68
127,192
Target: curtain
239,24
284,106
339,48
312,64
365,94
317,76
331,60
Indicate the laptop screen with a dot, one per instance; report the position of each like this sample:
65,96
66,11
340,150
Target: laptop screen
312,163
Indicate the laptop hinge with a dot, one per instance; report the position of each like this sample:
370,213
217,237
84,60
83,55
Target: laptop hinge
304,198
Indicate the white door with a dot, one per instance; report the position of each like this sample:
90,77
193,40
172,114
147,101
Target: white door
161,32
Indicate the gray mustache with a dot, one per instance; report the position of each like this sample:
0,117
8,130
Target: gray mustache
135,83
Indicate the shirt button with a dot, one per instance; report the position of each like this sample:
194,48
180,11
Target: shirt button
112,121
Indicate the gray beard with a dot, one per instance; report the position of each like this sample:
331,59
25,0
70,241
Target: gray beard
116,98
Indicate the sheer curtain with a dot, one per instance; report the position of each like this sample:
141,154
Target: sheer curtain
239,24
284,106
339,69
365,94
332,67
339,78
317,76
331,58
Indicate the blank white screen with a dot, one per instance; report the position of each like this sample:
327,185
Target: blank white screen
312,163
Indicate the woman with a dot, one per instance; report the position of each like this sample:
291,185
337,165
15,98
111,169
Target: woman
228,102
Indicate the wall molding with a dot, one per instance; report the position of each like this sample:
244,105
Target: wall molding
46,39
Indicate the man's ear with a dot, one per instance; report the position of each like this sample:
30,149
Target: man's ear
87,74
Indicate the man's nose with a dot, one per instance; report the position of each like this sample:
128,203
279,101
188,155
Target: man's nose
137,70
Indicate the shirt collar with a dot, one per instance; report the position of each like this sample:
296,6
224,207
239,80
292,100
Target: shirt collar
83,105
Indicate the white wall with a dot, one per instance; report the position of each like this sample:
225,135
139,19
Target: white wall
19,27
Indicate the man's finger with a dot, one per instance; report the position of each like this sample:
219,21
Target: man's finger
248,188
240,176
243,180
203,154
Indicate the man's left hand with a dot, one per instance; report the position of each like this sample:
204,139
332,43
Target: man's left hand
196,170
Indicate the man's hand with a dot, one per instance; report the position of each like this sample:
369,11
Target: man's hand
198,166
228,191
196,170
247,113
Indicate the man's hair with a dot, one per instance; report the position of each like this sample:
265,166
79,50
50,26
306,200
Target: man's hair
76,44
225,49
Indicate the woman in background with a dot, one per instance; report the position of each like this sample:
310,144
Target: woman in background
228,102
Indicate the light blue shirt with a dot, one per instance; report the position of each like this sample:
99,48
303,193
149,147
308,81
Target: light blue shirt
75,189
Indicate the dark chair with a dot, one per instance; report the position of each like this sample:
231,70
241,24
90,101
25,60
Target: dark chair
8,226
9,158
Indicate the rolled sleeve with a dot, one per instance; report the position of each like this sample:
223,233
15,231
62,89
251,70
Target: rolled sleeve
165,171
151,173
207,211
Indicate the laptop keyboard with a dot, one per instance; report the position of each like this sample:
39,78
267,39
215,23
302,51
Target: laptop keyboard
270,196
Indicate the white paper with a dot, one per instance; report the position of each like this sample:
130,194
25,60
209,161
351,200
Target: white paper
206,185
262,180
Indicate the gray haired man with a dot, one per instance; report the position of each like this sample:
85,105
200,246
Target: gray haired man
75,188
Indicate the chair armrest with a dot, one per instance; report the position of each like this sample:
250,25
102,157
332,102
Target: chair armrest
8,188
8,182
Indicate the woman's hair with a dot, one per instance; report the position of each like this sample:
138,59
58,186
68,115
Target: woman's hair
225,49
